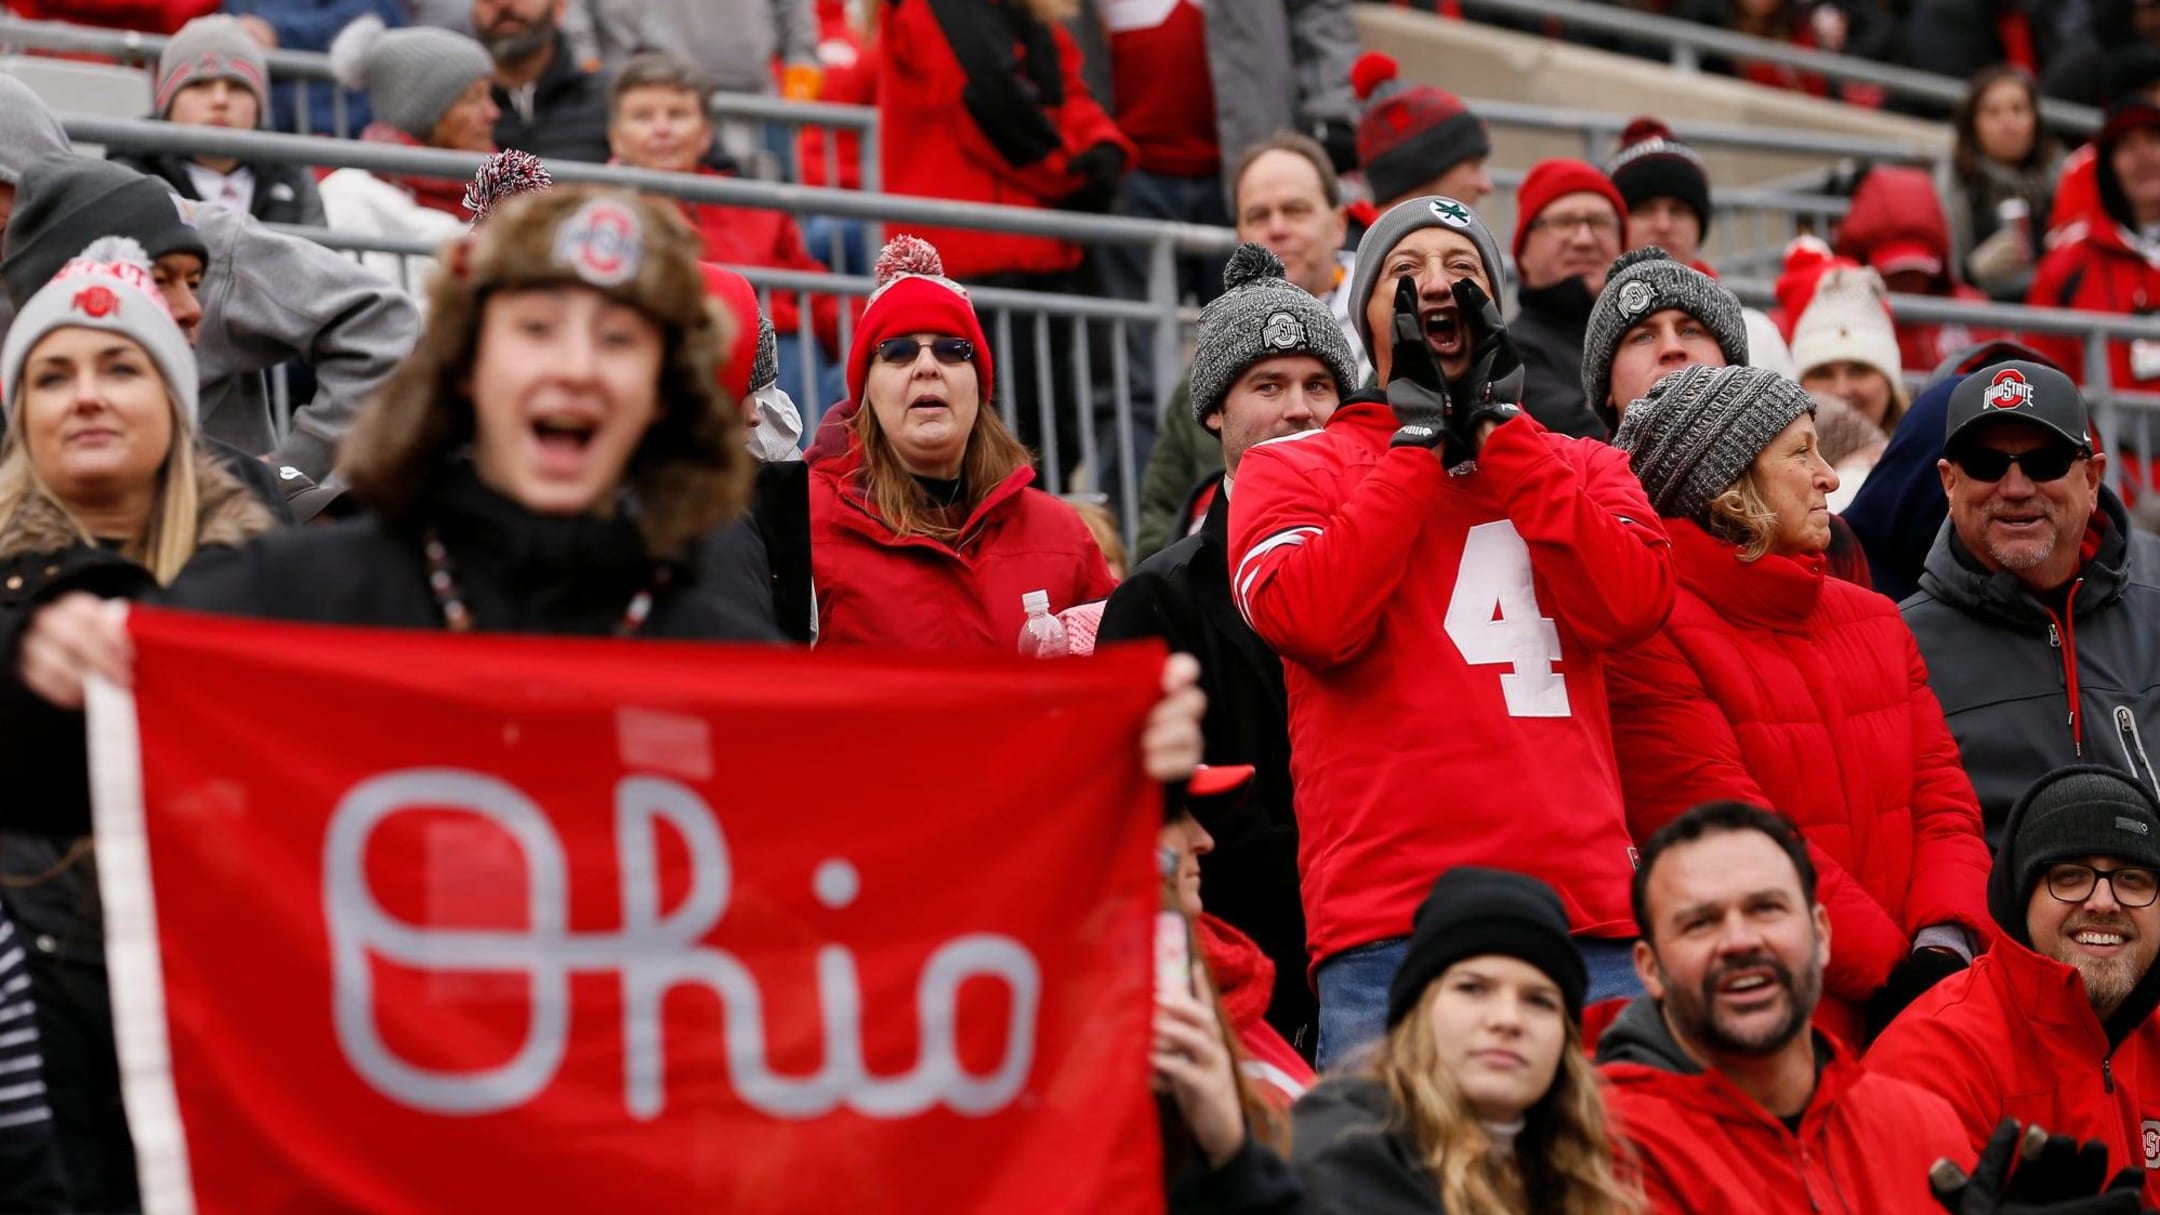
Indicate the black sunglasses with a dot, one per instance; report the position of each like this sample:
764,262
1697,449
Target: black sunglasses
950,351
2041,463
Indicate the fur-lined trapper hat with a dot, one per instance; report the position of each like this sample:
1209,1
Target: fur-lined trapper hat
690,473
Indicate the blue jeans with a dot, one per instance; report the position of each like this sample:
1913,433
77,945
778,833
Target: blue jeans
1353,987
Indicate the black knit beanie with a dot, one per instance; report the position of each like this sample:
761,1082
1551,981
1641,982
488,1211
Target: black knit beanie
2083,810
65,202
1651,163
1473,912
1409,134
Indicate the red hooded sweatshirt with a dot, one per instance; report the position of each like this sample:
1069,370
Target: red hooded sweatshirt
1896,217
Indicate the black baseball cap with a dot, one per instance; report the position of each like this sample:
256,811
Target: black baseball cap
2016,390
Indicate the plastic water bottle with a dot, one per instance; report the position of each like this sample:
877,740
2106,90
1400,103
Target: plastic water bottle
1042,636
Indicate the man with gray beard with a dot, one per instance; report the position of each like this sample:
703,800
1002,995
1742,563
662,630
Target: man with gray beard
2039,608
551,106
2054,1023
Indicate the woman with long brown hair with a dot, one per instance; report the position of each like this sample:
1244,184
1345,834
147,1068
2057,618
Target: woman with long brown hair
2001,187
927,532
1480,1100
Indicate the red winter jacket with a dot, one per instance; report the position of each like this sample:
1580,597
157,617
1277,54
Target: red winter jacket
1865,1144
1775,685
1898,205
2095,269
851,76
749,236
930,144
154,16
1245,979
874,588
1443,642
2015,1037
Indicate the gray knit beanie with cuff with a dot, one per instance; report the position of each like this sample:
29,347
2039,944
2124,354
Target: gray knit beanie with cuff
216,47
1640,284
412,76
1699,430
1402,219
108,287
1262,315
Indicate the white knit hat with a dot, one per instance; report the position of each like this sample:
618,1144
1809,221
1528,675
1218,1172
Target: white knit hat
108,287
1849,321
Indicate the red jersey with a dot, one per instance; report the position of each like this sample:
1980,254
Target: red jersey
1164,98
1444,640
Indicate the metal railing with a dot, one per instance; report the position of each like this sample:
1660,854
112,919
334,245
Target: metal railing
1689,43
1600,132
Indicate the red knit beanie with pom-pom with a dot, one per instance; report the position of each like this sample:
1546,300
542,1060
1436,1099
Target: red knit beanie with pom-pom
914,296
1409,133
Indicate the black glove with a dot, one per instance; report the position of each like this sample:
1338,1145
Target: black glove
2056,1175
1340,140
1493,356
1098,168
1908,981
1416,390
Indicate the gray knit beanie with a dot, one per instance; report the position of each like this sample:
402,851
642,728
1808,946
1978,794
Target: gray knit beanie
412,76
1262,315
1405,217
1700,428
216,47
765,365
1639,284
110,287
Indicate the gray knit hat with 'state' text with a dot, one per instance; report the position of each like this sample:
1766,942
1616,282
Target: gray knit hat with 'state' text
1262,315
412,76
1640,284
1390,230
1700,428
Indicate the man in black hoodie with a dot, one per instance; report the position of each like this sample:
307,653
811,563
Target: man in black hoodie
2054,1023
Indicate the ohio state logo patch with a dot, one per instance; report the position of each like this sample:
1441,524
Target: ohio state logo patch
2008,390
603,243
1635,298
2151,1138
96,302
1283,332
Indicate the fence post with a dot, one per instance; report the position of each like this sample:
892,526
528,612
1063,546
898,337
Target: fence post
867,149
2100,386
1169,346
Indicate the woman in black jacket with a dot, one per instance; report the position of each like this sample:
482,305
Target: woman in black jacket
1480,1099
104,491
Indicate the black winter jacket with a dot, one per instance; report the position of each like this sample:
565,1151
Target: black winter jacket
284,194
1349,1159
517,572
1182,595
2026,691
1548,330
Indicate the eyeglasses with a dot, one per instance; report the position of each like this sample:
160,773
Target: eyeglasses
901,351
2048,463
2131,886
1565,225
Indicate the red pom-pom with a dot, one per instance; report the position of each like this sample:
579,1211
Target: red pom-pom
906,254
1372,70
502,177
1643,130
1805,253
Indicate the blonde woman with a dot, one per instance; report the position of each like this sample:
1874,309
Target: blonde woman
104,489
1479,1101
1774,685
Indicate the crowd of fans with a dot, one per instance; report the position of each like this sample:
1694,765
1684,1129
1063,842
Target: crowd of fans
1659,754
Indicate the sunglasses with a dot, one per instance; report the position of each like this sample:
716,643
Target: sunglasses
901,351
2041,464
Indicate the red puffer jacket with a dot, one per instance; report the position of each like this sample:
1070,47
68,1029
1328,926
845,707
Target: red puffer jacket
875,588
2015,1037
2095,269
931,144
1444,643
1776,685
1865,1144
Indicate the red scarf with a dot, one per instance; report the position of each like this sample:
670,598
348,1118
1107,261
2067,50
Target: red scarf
434,193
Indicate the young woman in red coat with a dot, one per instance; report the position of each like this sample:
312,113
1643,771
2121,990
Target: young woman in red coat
926,532
1775,686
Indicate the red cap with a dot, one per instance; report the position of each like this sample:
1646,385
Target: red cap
1214,780
1552,179
1905,253
734,293
914,296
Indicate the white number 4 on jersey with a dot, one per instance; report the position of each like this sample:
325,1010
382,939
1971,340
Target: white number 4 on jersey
1493,617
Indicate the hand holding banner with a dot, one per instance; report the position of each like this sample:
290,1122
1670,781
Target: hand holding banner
402,922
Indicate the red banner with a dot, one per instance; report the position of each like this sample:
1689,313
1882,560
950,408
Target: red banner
401,922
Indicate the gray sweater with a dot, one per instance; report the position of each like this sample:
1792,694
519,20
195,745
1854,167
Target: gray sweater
734,41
